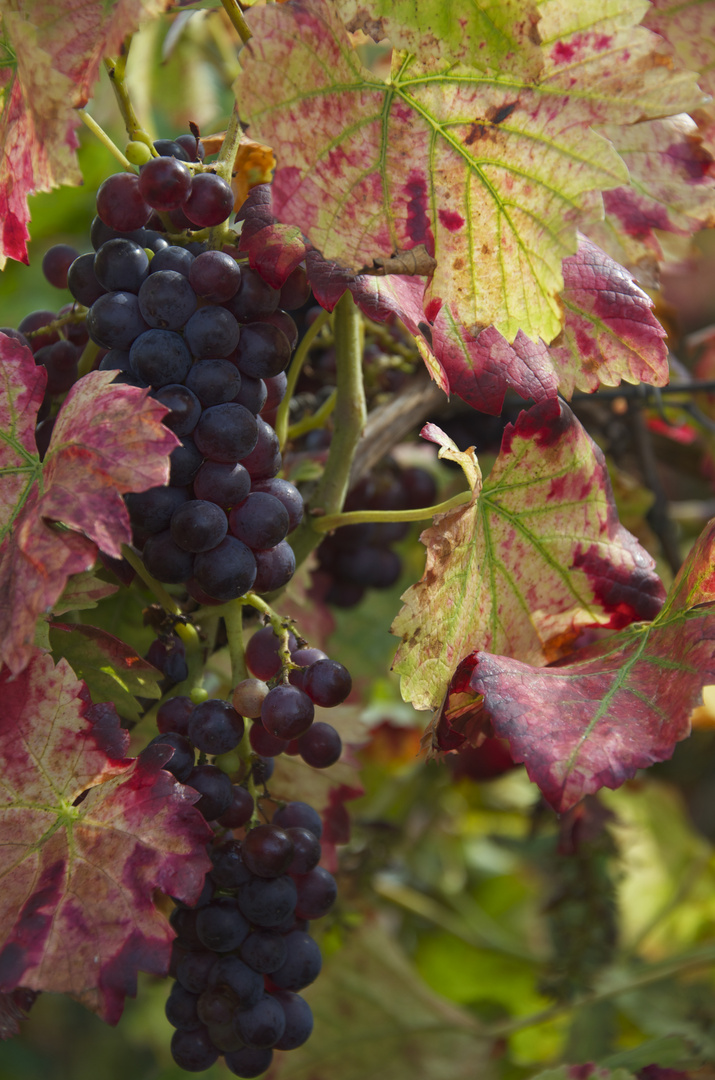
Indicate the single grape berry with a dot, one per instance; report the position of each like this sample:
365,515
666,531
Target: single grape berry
120,204
267,851
321,746
248,697
215,727
210,201
327,683
287,712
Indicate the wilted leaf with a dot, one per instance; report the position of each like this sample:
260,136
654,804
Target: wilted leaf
83,591
107,440
531,561
87,836
369,989
492,173
620,706
52,51
112,670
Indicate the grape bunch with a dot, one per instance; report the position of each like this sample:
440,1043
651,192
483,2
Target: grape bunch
243,952
360,557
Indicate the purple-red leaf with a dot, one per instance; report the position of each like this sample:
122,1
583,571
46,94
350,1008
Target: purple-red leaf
87,837
107,440
620,706
531,561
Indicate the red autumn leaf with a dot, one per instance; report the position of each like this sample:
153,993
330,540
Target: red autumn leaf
535,557
87,837
107,440
55,48
620,705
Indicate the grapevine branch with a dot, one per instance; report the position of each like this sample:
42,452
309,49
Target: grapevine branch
294,373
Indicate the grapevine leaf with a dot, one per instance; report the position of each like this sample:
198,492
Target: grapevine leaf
609,332
83,591
107,440
672,189
112,670
23,388
88,835
620,706
492,173
55,50
527,564
369,985
506,31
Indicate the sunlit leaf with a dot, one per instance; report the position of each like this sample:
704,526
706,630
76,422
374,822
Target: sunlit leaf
87,836
531,561
620,705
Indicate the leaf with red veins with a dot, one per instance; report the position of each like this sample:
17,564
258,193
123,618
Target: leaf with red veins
672,189
620,706
87,837
534,558
610,332
107,440
54,51
83,591
273,249
491,173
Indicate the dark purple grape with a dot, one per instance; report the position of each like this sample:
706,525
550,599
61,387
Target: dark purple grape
43,434
306,850
120,204
264,951
260,521
185,462
215,790
299,1020
263,351
173,258
302,965
216,1007
115,321
169,656
264,461
193,1051
327,683
274,567
191,146
226,432
215,382
316,894
159,356
171,148
262,770
215,276
166,300
229,870
285,324
121,265
180,1009
56,262
215,727
185,408
174,715
60,360
321,746
267,902
254,299
210,201
166,561
221,483
267,851
275,389
288,495
76,332
262,653
295,291
212,332
264,744
115,360
239,812
82,281
183,923
261,1026
299,815
181,762
248,1063
165,183
252,394
221,926
231,973
226,572
193,971
198,525
287,712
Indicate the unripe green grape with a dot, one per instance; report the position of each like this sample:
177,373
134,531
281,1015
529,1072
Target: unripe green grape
198,694
137,152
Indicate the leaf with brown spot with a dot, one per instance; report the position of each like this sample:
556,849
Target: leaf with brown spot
533,559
